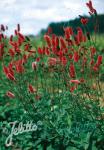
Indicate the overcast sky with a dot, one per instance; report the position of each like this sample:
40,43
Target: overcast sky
33,15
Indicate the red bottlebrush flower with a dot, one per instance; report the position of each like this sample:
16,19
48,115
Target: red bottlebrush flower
0,37
72,70
17,50
9,72
10,76
19,69
92,10
82,80
11,52
2,28
64,60
5,70
76,39
49,30
95,68
27,47
1,53
10,94
60,53
93,51
24,59
34,65
80,35
63,43
10,69
54,41
47,52
22,38
84,61
37,59
72,89
92,62
31,89
11,38
76,56
52,61
19,66
18,27
75,81
70,43
70,56
40,51
32,51
68,32
84,21
15,31
48,40
99,60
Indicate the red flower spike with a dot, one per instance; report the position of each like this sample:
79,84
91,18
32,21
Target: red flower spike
2,28
84,21
76,57
64,60
37,59
47,52
92,62
62,42
84,61
49,30
15,31
18,27
95,68
19,66
27,47
10,94
75,81
5,70
99,60
70,56
25,57
53,41
48,40
31,89
92,10
22,38
82,80
93,51
34,65
72,89
11,52
68,32
40,51
10,76
11,38
52,61
80,35
72,70
60,53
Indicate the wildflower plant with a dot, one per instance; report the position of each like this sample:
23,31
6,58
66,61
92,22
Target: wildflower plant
57,83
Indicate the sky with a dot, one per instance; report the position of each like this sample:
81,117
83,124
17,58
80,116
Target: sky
34,15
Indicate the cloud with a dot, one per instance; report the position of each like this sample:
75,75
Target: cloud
34,15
